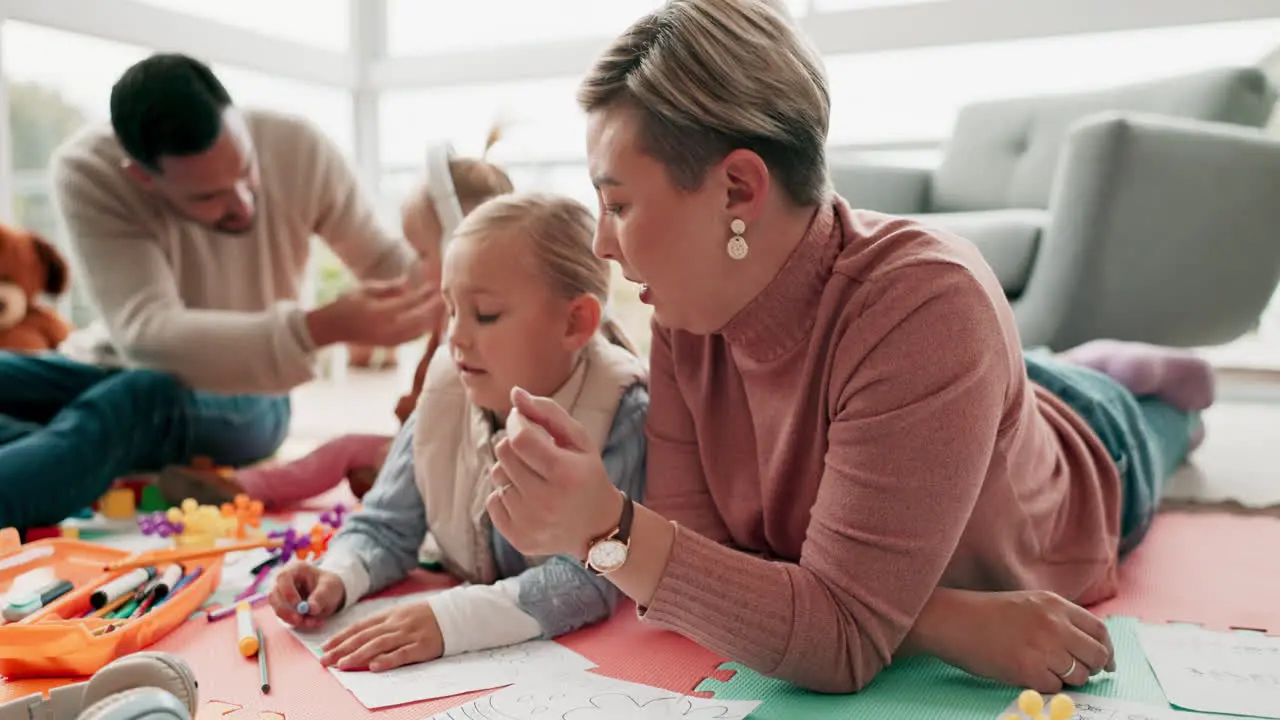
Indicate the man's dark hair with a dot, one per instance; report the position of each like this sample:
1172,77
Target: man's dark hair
167,104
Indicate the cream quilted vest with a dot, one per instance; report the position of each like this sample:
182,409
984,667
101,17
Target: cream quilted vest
454,441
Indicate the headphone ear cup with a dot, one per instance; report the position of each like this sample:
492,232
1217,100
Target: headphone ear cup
444,196
139,703
145,670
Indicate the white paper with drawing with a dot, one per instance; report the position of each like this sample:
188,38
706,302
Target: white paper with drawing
445,677
585,696
1093,707
1234,673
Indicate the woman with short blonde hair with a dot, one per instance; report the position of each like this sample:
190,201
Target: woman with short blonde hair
851,458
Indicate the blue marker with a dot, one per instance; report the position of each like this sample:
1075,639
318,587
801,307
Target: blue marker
303,608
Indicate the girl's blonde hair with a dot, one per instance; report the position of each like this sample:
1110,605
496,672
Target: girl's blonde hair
712,76
560,231
476,179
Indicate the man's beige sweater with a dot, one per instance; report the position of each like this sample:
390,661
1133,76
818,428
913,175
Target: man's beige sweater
217,311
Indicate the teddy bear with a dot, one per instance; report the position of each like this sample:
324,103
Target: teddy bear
30,266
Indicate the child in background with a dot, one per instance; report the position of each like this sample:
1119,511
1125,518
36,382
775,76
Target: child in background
428,219
525,295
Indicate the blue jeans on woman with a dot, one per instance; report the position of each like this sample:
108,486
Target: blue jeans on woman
68,429
1147,438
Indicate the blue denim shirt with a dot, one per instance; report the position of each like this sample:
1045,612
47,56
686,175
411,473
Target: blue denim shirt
560,593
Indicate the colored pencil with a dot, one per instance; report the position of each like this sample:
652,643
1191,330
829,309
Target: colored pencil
178,555
229,610
262,662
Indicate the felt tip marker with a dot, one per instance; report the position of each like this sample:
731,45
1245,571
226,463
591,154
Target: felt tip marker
303,608
22,604
121,586
247,637
168,579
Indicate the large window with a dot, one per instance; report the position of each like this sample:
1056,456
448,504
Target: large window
322,23
541,120
832,5
915,94
417,27
57,82
330,108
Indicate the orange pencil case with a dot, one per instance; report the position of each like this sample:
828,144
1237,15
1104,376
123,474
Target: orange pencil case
55,641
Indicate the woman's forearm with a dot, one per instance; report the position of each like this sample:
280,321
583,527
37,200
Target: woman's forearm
942,617
651,539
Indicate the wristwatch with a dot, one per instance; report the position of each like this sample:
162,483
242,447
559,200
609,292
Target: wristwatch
608,553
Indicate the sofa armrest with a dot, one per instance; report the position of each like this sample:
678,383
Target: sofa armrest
896,190
1162,230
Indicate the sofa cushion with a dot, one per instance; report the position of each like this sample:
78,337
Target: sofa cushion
1008,240
1004,153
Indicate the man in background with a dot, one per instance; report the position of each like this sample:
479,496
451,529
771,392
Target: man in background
189,223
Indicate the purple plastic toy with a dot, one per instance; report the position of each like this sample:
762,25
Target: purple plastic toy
293,541
333,518
157,523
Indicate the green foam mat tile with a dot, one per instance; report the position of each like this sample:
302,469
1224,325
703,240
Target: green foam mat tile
923,688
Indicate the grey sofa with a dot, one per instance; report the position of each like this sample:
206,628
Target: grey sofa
1146,212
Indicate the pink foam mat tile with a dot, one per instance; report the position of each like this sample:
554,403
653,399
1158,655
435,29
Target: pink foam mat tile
302,690
1218,570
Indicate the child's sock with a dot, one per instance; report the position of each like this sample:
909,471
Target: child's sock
1177,377
315,473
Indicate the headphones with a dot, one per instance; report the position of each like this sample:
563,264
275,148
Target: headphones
141,686
440,187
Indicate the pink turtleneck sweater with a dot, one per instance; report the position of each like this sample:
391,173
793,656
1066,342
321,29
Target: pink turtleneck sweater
862,433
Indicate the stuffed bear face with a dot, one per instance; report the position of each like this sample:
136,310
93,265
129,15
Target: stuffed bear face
29,265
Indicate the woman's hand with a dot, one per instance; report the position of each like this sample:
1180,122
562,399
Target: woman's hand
323,591
399,636
1031,639
551,494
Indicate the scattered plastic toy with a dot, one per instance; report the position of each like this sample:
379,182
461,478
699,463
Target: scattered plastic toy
247,514
1032,705
292,542
334,517
158,524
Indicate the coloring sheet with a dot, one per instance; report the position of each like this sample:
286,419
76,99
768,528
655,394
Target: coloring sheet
1232,673
585,696
1092,707
445,677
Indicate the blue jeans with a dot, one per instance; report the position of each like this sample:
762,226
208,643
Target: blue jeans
67,430
1147,438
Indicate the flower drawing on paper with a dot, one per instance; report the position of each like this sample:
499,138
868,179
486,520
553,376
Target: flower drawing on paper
619,706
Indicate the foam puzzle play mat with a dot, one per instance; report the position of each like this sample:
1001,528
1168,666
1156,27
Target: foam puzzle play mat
1194,627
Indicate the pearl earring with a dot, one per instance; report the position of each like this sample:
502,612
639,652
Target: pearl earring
737,247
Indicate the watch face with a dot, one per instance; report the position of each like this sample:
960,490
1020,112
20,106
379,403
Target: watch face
608,555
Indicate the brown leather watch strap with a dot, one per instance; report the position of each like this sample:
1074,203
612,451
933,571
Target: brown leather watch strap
624,525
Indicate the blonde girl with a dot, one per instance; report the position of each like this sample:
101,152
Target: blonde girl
525,297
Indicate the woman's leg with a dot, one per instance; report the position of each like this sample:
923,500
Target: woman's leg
1143,402
1176,376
